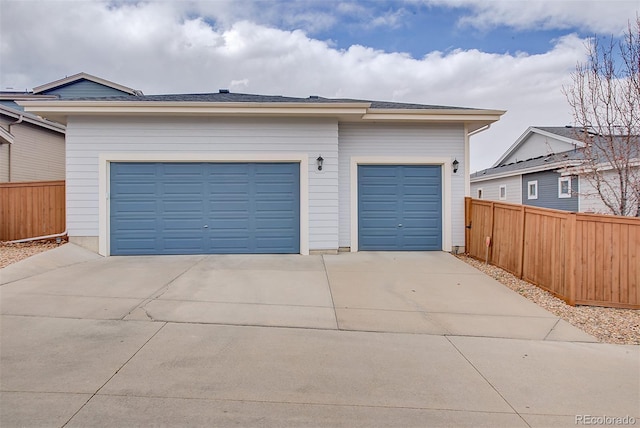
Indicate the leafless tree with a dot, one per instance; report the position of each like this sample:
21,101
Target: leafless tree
605,101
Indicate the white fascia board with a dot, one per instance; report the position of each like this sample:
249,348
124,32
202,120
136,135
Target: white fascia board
434,115
357,111
60,110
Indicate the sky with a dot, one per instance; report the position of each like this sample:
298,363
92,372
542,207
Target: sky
513,55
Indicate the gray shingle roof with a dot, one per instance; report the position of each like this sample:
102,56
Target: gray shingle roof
572,155
222,97
563,131
531,163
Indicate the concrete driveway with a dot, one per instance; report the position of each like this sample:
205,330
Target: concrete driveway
365,339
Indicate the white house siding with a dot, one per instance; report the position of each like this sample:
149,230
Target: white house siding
37,154
88,137
378,139
491,189
538,145
589,199
4,163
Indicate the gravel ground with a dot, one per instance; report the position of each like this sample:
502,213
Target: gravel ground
608,325
11,253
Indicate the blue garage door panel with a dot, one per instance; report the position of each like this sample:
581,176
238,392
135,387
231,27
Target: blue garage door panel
204,208
399,207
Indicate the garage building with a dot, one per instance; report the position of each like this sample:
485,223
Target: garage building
227,173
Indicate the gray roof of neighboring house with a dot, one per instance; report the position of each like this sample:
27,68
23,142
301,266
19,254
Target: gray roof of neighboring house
563,131
551,159
31,118
222,97
554,159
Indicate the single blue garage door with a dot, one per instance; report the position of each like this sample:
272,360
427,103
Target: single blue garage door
399,207
204,208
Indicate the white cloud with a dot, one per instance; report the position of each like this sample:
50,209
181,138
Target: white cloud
608,17
157,48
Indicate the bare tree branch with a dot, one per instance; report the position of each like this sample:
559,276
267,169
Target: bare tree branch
605,102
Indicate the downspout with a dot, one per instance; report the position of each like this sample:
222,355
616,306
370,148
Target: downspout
479,130
467,166
17,122
39,238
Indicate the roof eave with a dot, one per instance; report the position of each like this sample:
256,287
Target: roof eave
61,110
356,111
33,119
514,172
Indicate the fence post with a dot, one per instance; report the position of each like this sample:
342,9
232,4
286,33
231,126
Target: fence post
570,260
491,225
467,222
523,216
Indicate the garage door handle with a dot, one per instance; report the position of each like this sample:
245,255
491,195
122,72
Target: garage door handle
205,226
400,225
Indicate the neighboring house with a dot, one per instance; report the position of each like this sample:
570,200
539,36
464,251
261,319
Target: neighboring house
239,173
32,148
540,169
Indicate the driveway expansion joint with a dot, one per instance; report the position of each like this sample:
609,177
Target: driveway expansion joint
488,381
112,376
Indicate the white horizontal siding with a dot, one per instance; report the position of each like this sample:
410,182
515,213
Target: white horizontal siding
88,137
538,145
590,200
491,189
37,154
4,163
377,139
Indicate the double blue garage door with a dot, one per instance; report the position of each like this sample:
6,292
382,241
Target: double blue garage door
399,207
204,208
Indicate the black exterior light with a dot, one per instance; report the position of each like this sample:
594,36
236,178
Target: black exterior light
455,165
320,160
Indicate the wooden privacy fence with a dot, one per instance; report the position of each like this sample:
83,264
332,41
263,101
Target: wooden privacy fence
33,209
584,259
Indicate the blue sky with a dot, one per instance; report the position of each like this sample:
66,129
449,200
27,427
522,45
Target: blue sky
419,29
514,55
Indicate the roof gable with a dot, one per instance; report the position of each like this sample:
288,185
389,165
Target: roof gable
540,141
111,88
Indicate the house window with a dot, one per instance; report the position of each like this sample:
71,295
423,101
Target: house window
479,193
502,192
532,189
564,187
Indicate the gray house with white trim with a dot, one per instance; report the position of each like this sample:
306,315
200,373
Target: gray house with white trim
240,173
543,168
533,171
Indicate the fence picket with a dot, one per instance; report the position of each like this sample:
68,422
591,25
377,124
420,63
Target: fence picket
585,259
31,209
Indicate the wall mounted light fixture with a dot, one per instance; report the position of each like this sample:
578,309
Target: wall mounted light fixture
455,165
320,160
